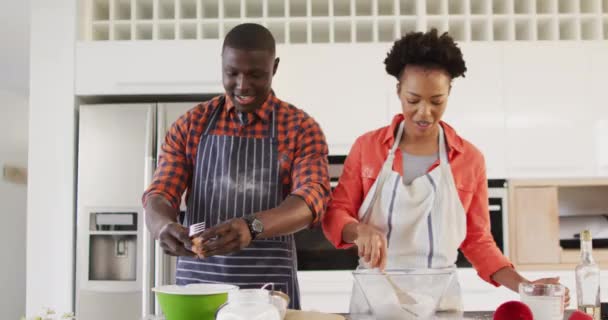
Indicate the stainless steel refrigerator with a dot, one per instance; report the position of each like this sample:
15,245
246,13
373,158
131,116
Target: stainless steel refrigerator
117,261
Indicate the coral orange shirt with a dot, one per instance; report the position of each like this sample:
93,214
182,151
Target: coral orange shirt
363,165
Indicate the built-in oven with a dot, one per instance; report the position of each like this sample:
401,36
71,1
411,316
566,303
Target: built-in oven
315,252
498,203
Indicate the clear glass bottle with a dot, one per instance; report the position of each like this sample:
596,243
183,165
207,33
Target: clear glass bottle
588,279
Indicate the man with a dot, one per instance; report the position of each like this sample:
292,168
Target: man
255,169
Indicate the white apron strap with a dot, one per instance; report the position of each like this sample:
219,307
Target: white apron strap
443,154
387,167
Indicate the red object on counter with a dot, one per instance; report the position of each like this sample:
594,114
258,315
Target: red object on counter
513,310
579,315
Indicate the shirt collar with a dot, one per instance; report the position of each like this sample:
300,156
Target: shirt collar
262,113
454,141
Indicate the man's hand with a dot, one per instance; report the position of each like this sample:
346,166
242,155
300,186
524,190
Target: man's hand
174,240
224,238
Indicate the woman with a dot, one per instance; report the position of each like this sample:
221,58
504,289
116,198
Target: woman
414,192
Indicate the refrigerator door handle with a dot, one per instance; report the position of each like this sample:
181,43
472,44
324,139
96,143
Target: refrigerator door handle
148,240
160,265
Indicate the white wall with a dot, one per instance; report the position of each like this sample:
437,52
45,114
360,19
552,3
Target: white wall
13,151
14,55
50,211
14,36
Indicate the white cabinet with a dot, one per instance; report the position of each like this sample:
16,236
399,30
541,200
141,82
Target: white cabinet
325,291
344,87
534,109
549,118
475,107
151,67
329,291
599,106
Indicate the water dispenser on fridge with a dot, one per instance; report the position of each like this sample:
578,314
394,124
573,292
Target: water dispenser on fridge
110,277
113,246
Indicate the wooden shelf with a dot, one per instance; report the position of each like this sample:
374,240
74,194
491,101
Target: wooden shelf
466,20
535,207
558,182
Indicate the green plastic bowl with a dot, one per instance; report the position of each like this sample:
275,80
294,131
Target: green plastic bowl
193,301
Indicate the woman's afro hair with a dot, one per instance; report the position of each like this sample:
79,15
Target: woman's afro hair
428,50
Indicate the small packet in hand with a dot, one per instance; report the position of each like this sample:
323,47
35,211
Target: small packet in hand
195,231
197,247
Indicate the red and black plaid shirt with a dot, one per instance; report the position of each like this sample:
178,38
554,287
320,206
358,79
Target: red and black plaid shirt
301,145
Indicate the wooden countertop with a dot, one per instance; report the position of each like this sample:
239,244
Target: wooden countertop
563,182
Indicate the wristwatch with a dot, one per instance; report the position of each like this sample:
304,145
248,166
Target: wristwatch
254,224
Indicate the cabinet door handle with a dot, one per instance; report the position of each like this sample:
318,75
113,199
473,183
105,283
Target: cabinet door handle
495,207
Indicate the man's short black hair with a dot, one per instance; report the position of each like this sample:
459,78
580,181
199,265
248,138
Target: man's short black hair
428,50
250,36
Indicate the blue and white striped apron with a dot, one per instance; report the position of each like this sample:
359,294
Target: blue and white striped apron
233,177
424,222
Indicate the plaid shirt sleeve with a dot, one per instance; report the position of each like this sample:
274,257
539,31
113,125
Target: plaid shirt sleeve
310,173
174,172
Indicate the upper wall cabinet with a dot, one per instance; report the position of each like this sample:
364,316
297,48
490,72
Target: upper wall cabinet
475,106
550,126
152,67
596,92
344,87
533,104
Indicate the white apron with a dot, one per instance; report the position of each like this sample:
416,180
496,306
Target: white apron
424,222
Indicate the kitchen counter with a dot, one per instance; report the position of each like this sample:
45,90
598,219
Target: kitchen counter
330,291
487,315
472,315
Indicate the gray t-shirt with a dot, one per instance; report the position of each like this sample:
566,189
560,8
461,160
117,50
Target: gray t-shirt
416,166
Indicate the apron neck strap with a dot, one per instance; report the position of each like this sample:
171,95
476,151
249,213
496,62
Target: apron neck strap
214,115
397,139
443,154
273,119
222,100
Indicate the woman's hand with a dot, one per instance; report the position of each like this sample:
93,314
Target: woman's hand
555,281
372,245
511,279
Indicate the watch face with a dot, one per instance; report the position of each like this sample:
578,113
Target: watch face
257,226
